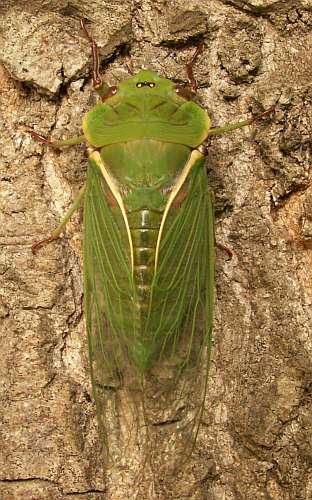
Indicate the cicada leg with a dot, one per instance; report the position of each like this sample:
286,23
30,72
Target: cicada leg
96,79
57,231
229,127
189,88
189,68
225,249
56,144
101,87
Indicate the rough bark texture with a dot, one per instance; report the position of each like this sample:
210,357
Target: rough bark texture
256,437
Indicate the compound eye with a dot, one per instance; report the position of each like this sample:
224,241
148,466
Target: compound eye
151,85
110,92
183,92
113,90
139,85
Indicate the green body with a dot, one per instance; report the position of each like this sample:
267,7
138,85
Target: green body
149,246
148,253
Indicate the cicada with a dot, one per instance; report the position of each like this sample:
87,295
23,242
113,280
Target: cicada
148,258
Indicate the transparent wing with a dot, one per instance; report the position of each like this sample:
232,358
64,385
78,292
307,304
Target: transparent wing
180,318
164,404
108,288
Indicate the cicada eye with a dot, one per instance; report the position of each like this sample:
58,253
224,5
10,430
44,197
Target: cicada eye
183,92
110,92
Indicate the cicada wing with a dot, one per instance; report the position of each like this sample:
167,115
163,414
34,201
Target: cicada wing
108,292
181,316
169,395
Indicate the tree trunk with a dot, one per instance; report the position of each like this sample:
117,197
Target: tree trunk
256,436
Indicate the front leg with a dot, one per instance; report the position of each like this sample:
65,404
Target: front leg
56,144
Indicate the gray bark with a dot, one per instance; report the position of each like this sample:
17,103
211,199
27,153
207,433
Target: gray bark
256,437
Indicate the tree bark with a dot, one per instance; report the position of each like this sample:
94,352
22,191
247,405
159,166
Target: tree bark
256,436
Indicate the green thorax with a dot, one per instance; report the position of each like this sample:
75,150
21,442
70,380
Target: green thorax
146,106
145,171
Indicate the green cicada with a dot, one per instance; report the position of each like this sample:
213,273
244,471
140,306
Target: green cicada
148,255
